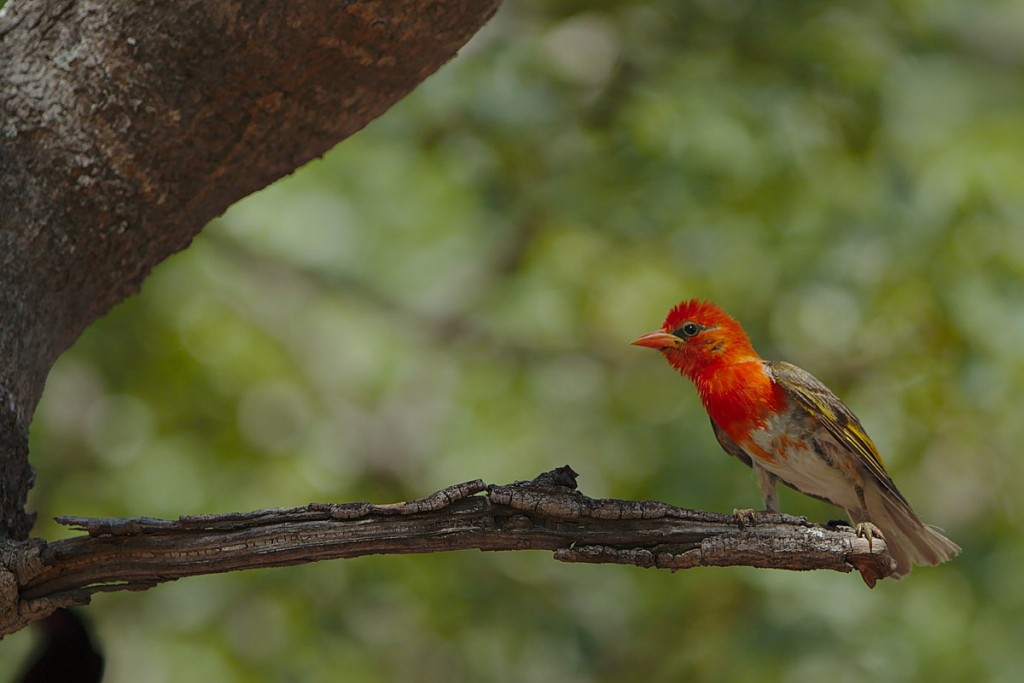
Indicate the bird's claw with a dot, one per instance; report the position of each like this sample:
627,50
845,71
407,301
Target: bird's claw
744,517
868,531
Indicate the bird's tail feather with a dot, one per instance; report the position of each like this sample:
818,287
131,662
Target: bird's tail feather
909,540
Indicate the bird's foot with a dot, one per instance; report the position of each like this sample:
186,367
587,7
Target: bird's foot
868,531
744,517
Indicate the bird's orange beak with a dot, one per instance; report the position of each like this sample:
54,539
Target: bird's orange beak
657,340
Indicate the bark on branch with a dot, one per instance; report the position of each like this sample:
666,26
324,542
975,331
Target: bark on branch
546,513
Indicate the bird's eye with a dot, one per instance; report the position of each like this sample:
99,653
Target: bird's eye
688,330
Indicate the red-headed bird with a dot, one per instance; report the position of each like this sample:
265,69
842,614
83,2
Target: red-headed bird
788,426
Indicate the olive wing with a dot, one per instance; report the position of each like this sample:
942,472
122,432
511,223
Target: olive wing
832,414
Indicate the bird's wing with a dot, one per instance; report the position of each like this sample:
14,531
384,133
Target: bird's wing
819,402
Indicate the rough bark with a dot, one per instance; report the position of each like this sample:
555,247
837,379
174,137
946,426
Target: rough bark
126,125
544,514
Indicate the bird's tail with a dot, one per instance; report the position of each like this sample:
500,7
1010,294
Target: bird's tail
909,540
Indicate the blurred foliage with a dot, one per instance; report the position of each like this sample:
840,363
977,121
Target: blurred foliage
450,295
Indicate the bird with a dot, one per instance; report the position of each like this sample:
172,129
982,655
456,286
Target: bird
788,426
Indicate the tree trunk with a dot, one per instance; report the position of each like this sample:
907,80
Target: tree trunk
126,125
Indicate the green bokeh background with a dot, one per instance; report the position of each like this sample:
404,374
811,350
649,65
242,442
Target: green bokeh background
450,295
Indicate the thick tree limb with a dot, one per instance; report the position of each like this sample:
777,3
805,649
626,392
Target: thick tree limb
544,514
126,125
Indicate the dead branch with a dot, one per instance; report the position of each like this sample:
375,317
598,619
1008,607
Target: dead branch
547,513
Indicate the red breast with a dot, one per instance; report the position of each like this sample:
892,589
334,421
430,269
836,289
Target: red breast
741,398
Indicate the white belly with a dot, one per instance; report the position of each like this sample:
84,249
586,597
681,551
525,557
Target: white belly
798,464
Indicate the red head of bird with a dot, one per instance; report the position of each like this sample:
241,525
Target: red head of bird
698,337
